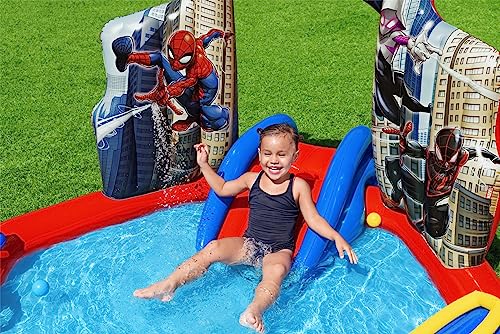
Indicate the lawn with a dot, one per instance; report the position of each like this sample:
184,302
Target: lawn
310,59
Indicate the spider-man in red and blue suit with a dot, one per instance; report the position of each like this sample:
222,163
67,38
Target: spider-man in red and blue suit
195,91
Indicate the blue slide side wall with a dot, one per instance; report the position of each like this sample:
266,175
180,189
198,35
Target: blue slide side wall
341,199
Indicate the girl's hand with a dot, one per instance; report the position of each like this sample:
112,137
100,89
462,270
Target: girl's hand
201,154
342,246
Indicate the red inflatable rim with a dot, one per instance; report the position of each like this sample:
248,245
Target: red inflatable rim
70,219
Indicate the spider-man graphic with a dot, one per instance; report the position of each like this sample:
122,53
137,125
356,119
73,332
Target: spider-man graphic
195,91
442,168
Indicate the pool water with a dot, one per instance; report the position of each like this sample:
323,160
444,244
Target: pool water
92,279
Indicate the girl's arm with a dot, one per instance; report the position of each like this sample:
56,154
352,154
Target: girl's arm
217,183
317,223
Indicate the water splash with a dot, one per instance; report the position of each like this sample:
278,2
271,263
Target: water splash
164,147
106,126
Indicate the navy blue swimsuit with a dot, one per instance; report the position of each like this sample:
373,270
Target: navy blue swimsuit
272,218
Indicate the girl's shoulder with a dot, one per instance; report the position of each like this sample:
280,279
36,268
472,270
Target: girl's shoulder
300,182
250,178
300,186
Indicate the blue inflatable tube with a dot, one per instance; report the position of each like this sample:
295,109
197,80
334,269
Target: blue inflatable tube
353,223
349,172
467,322
236,162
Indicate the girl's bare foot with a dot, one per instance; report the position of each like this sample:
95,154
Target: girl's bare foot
252,319
163,290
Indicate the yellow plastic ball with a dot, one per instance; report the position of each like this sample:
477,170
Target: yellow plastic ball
373,219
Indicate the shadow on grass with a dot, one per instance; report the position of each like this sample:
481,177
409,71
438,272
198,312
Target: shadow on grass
307,138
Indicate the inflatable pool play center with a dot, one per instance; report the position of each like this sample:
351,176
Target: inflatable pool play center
427,171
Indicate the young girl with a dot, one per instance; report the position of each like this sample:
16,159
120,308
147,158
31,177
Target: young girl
276,196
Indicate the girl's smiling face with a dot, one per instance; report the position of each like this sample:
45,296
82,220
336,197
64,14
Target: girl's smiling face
276,155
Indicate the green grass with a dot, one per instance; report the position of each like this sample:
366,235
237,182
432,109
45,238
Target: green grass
310,59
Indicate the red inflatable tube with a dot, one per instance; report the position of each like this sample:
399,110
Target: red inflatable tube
69,220
451,283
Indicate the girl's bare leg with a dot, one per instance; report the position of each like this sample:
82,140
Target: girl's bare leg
275,267
227,250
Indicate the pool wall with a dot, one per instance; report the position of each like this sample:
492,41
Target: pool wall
71,219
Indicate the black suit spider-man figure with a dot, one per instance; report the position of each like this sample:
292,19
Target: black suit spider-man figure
442,168
196,90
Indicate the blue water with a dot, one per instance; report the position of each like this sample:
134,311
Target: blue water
92,279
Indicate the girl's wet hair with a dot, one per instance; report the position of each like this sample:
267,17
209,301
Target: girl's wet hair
279,129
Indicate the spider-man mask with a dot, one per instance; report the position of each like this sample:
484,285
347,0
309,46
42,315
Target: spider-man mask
180,49
448,146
